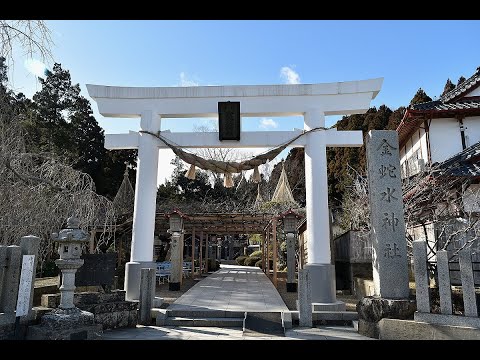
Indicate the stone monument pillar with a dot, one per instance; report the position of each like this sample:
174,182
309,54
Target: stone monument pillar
390,262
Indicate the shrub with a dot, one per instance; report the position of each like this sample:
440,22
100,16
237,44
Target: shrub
257,253
251,260
50,269
259,263
213,265
241,260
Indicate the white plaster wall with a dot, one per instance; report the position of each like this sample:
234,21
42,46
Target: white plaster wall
402,155
445,140
423,145
475,92
418,140
410,146
472,129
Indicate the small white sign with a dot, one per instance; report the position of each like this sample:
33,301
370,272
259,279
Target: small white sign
25,287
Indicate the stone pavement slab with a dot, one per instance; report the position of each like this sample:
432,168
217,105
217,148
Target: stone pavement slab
214,333
233,288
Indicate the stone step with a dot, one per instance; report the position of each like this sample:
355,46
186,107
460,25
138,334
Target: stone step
157,302
156,312
205,313
330,315
204,322
263,323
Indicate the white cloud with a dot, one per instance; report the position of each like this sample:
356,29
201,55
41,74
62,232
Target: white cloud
268,123
289,76
165,168
185,81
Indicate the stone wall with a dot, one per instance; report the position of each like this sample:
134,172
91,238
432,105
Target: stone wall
109,309
47,285
394,329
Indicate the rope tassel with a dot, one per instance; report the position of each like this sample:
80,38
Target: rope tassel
190,174
256,175
228,180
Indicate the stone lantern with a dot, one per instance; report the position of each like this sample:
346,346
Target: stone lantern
67,321
70,242
290,223
176,223
290,230
176,251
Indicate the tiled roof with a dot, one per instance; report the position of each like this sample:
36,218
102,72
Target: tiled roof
462,88
449,105
463,164
439,105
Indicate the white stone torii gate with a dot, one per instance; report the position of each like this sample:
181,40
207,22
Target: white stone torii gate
313,101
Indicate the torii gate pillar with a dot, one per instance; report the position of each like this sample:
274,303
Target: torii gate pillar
145,202
318,227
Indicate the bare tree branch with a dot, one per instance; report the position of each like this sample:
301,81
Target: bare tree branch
434,210
32,36
38,192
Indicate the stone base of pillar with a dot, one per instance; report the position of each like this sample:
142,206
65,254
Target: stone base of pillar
174,286
336,306
132,278
372,309
327,307
323,283
291,287
66,324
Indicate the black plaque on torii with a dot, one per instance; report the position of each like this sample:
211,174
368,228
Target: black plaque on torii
229,120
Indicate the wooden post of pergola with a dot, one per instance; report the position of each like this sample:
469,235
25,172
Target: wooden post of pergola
302,251
274,238
193,252
268,251
200,253
206,254
229,246
120,249
92,241
263,251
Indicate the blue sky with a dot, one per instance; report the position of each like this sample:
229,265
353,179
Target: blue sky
408,54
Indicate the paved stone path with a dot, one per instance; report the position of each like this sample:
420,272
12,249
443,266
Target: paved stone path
215,333
233,288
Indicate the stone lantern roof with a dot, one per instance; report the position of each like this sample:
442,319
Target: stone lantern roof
72,233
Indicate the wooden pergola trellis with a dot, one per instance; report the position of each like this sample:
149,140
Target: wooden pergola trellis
218,223
201,225
207,226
